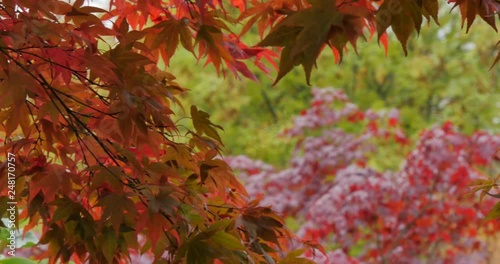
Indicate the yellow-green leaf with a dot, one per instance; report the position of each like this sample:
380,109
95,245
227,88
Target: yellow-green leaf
202,124
494,213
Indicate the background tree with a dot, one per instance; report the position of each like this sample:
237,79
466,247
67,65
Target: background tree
335,192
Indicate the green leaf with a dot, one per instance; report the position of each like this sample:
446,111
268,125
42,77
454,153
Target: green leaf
65,208
494,213
281,36
198,252
303,34
227,241
219,225
296,253
109,245
404,16
16,260
202,124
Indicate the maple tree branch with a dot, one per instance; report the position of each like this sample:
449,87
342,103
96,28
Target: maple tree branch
69,112
101,164
226,207
87,105
73,71
256,245
33,105
168,237
83,125
102,98
79,139
85,160
77,134
37,80
86,115
188,5
215,216
164,214
34,122
130,182
493,195
42,81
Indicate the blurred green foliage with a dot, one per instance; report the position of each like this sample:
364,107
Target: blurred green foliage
15,260
446,76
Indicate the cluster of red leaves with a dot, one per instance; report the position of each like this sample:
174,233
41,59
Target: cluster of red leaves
304,28
415,213
200,27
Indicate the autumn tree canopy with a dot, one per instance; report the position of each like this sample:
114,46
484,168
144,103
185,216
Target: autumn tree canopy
87,110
